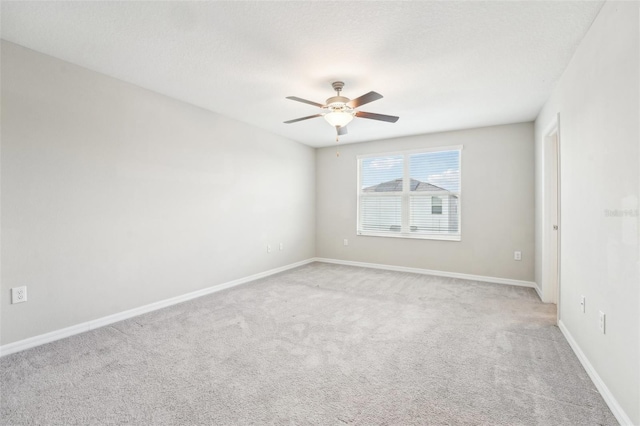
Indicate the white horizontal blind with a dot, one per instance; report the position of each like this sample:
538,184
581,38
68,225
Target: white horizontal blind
381,214
435,193
380,191
412,194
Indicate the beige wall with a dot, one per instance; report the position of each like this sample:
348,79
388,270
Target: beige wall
114,196
599,105
497,205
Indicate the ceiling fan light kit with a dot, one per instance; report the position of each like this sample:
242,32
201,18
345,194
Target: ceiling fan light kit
339,118
339,110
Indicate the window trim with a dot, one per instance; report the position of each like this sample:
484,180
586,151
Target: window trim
406,194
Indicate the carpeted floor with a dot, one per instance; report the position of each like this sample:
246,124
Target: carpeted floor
320,344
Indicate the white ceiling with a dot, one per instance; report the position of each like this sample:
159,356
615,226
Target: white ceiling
440,65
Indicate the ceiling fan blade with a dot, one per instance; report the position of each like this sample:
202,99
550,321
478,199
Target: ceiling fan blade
364,99
304,101
342,130
302,118
381,117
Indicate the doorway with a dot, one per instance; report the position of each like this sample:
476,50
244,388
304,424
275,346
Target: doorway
551,222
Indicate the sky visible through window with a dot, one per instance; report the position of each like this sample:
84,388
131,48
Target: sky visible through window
436,168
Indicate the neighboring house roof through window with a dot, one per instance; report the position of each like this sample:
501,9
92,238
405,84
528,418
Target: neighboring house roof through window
396,186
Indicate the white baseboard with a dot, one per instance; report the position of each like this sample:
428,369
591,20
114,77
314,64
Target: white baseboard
608,397
494,280
32,342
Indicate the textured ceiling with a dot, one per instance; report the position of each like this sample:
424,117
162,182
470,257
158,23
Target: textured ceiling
439,65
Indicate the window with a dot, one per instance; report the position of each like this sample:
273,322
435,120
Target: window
436,205
413,194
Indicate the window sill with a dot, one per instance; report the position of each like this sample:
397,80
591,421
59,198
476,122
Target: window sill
411,236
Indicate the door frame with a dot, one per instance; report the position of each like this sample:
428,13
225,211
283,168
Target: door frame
551,167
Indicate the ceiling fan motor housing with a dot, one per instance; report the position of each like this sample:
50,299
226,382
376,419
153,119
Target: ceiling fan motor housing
337,101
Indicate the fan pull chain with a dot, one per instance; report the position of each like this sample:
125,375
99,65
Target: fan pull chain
337,142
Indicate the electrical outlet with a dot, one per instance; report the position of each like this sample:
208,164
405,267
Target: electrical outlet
345,242
281,246
517,255
582,304
268,248
19,294
603,324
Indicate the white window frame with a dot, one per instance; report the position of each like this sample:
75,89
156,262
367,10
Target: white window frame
406,193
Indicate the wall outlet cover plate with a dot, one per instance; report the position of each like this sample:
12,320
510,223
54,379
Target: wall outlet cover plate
19,294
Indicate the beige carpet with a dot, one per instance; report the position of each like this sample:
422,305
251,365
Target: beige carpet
321,344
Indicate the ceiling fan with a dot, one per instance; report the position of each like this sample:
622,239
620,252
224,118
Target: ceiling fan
339,110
